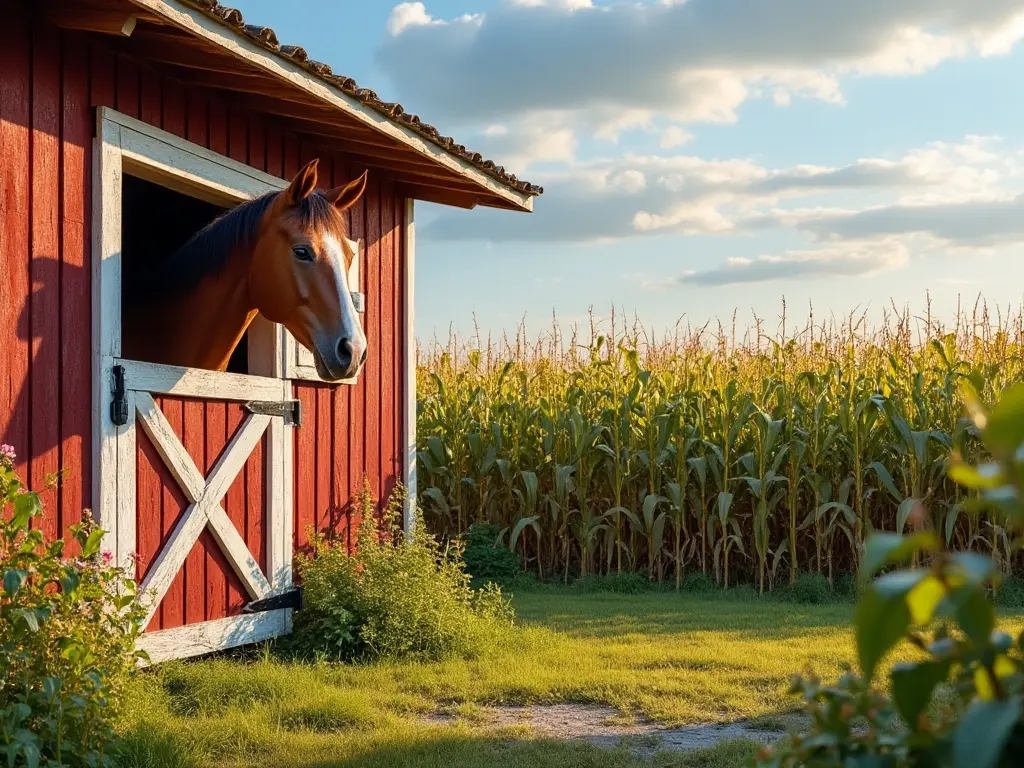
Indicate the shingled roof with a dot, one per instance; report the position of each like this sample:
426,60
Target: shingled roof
267,38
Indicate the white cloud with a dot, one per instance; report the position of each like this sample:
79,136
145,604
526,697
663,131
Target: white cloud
613,67
641,195
674,136
854,259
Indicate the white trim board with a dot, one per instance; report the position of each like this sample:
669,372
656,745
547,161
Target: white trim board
202,26
211,636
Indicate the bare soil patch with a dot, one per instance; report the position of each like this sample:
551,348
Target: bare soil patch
608,728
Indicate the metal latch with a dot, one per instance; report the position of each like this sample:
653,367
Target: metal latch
290,410
119,405
290,599
359,301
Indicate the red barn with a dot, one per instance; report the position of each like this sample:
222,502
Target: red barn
124,118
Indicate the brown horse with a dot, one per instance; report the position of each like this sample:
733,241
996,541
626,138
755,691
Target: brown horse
284,255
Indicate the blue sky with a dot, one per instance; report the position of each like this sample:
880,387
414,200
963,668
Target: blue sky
701,156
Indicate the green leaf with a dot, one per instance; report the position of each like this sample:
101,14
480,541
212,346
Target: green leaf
898,583
1004,430
976,567
904,511
974,612
890,548
880,624
26,506
981,736
92,544
913,685
13,580
886,478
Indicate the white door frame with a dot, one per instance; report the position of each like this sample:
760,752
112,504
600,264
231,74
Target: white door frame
125,145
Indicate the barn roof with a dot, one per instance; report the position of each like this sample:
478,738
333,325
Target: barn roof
205,44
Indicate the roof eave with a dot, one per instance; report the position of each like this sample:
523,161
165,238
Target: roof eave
493,192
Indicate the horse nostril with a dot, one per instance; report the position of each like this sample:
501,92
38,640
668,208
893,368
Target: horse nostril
345,353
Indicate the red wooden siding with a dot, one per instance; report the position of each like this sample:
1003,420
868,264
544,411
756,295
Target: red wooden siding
50,84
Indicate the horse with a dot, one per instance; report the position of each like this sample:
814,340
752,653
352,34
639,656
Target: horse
284,255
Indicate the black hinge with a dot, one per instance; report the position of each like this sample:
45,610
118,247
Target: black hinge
290,599
290,410
119,405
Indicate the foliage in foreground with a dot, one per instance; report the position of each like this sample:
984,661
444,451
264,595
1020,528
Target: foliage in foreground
394,597
67,634
942,609
751,461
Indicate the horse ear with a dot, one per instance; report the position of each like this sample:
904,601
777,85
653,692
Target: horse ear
346,195
303,184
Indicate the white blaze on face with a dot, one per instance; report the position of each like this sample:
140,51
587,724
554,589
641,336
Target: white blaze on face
351,328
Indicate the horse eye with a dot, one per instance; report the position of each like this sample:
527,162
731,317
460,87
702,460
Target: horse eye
302,253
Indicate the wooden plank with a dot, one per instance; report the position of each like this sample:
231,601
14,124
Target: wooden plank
305,463
277,517
409,365
195,145
390,361
237,553
127,458
167,444
149,501
233,458
210,636
174,110
151,93
15,288
43,327
195,382
375,356
199,25
103,79
355,445
106,319
169,562
234,504
193,432
76,418
324,454
127,96
173,505
216,564
102,21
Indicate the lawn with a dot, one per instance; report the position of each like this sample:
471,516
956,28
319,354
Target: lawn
678,660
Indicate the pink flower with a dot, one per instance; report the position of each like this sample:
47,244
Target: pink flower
108,558
7,452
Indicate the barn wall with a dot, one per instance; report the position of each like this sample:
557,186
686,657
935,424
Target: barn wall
50,84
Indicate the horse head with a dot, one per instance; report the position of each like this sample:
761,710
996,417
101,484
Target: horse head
299,272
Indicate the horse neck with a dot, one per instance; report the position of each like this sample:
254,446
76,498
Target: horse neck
202,327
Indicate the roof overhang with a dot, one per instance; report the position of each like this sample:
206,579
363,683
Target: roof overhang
194,43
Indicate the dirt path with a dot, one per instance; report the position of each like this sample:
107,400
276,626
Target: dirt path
606,727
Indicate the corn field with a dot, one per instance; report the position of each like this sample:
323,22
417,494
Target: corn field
750,457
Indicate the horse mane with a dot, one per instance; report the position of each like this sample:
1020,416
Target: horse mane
207,252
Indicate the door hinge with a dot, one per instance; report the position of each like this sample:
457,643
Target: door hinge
290,410
119,405
290,599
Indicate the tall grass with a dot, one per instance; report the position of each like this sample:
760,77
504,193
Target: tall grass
752,457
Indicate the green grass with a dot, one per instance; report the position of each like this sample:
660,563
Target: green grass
678,660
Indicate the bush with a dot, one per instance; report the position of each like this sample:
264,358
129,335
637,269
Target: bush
808,589
625,583
699,583
394,598
486,559
67,634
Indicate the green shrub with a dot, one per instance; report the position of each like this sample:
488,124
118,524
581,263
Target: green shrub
808,589
1011,594
698,583
485,558
67,635
394,598
625,583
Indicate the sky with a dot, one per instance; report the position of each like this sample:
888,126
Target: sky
703,156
